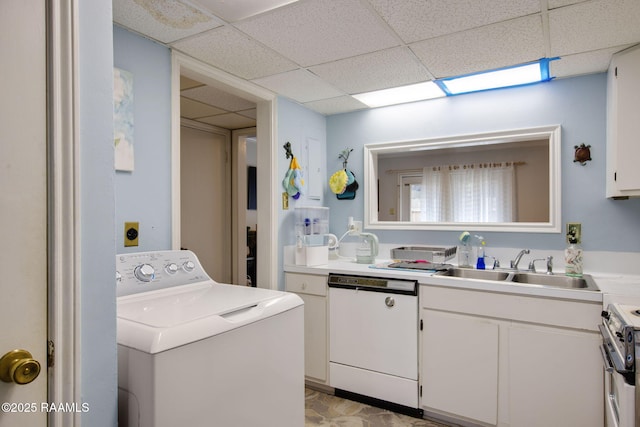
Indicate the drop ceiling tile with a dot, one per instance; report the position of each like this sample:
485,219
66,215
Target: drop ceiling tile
234,52
299,85
187,83
163,20
229,121
373,71
594,25
193,109
415,20
507,43
554,4
252,113
341,104
218,98
319,31
584,63
232,11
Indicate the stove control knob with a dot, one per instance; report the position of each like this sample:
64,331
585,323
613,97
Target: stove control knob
188,266
144,273
605,314
172,268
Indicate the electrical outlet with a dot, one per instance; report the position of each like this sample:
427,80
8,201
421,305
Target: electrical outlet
131,233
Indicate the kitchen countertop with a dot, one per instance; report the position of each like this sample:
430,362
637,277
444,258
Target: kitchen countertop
613,287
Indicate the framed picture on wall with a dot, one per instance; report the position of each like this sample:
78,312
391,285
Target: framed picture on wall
123,119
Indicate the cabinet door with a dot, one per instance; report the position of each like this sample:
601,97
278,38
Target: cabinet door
555,377
624,87
459,372
313,289
315,337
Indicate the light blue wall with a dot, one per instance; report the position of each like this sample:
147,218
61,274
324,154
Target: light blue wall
578,104
97,246
144,195
295,124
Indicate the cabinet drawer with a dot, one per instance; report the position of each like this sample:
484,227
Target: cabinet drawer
305,284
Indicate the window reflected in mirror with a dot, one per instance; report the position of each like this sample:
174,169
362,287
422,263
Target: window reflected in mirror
500,181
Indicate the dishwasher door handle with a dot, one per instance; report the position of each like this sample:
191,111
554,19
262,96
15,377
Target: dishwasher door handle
389,302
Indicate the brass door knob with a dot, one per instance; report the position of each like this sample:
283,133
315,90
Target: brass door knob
19,366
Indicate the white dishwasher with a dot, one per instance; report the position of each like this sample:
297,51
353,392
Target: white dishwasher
373,351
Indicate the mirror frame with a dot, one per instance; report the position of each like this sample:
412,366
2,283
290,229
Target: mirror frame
552,133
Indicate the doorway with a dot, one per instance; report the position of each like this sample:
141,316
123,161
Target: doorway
206,197
266,229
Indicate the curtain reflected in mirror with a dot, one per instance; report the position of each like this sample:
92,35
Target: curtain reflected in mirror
503,179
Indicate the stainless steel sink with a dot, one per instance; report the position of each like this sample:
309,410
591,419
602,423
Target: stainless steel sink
559,281
469,273
585,282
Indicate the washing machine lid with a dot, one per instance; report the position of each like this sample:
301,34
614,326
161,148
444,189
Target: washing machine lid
160,320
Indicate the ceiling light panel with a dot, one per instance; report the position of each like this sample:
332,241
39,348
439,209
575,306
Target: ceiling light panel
417,20
506,77
400,95
163,20
319,31
373,71
299,85
594,25
235,10
494,46
234,52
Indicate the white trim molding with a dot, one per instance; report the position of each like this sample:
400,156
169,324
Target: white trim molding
267,272
64,380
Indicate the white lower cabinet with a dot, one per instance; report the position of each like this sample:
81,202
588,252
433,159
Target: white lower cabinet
554,375
460,365
313,291
493,359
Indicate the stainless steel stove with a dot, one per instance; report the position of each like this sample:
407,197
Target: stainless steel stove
620,331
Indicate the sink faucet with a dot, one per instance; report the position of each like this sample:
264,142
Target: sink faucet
515,262
549,259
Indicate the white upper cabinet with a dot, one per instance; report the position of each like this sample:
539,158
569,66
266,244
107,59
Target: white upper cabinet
623,124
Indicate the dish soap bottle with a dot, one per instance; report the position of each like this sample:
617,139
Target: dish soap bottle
480,263
573,252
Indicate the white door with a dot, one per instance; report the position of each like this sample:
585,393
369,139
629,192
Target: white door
23,208
205,199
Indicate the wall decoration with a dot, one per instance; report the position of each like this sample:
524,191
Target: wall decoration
123,119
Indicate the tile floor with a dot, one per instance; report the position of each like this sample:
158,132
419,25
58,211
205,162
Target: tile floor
330,411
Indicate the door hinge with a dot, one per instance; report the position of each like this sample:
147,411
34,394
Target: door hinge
420,391
615,176
615,72
421,324
51,353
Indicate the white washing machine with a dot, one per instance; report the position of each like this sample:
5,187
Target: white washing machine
194,352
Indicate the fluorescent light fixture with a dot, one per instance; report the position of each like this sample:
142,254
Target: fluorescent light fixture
533,72
402,94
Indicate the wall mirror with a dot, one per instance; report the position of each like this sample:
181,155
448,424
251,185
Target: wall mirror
497,181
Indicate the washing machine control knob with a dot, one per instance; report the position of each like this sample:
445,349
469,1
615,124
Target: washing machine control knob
144,272
172,268
188,266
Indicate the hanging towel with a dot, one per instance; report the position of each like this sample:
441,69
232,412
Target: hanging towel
293,181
